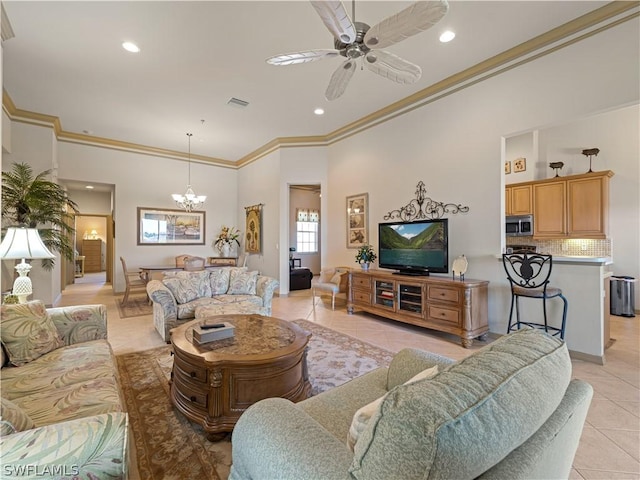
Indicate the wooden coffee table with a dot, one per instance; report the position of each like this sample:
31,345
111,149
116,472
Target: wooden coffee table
213,384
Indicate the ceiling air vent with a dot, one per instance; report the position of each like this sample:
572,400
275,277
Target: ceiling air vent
236,102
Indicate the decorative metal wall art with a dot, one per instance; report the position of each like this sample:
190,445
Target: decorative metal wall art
253,235
423,207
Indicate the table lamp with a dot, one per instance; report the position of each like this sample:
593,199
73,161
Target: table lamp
23,243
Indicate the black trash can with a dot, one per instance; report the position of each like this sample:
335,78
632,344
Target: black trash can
622,296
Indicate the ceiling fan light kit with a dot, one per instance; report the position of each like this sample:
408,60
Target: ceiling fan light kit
355,40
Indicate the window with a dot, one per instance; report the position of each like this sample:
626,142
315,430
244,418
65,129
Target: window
307,237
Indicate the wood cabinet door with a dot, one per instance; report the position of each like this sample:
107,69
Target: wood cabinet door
521,201
586,212
549,209
507,201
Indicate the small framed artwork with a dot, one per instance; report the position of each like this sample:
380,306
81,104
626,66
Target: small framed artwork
161,226
507,168
519,164
357,220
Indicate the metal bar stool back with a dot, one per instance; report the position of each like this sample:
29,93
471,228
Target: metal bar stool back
528,276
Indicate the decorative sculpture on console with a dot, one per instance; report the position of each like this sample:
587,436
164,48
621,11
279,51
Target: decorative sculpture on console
423,207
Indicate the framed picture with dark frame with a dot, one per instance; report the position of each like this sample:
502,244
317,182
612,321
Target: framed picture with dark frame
357,220
163,226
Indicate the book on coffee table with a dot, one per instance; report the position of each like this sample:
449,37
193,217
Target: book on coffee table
202,334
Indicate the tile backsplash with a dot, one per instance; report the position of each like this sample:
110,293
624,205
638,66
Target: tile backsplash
567,247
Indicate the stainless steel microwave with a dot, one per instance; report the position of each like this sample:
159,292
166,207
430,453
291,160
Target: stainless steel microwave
519,225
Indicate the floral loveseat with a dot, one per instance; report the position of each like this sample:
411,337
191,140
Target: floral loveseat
62,411
182,296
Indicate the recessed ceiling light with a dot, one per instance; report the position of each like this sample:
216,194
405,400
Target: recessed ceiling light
131,47
447,36
90,187
319,111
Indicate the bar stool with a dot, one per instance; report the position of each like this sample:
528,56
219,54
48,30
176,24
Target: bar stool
529,275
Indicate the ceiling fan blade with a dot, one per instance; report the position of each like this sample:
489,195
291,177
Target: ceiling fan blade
336,20
340,79
412,20
392,67
301,57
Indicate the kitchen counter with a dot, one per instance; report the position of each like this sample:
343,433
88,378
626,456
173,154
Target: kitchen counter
584,282
582,260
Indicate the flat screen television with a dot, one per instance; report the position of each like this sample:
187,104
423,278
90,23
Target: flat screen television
414,248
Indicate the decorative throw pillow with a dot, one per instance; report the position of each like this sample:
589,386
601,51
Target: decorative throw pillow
219,278
242,283
27,332
363,415
14,419
183,290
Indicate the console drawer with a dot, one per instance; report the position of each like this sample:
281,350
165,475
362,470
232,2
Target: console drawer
362,297
440,314
443,294
361,282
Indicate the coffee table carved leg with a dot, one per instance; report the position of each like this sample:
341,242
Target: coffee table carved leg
215,381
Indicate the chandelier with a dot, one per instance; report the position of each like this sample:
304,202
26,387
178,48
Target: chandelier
189,200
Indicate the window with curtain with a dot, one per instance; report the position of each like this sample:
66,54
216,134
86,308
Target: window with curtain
307,222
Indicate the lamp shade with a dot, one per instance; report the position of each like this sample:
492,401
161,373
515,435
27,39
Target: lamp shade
23,243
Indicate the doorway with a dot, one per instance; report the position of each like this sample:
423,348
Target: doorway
305,198
94,244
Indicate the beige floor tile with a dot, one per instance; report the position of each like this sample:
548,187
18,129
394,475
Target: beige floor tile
597,452
606,475
604,413
625,439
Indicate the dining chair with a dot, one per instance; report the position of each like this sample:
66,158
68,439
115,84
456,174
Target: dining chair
192,264
528,276
134,280
180,260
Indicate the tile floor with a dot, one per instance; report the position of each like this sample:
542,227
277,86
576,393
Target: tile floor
610,443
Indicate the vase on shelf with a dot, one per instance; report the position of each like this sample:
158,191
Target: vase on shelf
226,250
365,266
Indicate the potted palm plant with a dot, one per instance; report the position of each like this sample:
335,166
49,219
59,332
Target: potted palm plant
35,202
365,256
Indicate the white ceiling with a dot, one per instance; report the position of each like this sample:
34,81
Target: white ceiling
66,60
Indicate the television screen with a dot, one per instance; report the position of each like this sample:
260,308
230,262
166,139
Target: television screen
414,247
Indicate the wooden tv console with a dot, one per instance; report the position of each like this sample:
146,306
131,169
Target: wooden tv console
439,303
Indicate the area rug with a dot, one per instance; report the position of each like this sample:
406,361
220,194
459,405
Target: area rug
135,307
171,447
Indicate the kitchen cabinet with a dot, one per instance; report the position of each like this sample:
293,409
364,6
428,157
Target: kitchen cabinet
453,306
576,206
518,199
549,209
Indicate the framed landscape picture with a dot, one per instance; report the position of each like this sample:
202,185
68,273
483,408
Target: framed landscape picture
357,220
168,227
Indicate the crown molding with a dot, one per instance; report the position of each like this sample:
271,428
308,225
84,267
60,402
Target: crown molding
601,19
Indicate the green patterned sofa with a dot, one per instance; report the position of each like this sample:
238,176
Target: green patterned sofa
62,411
178,296
508,411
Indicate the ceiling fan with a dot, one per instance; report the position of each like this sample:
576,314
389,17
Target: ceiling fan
355,40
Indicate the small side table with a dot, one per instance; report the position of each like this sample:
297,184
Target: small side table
79,266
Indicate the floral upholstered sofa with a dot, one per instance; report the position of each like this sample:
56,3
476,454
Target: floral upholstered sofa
62,411
182,296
